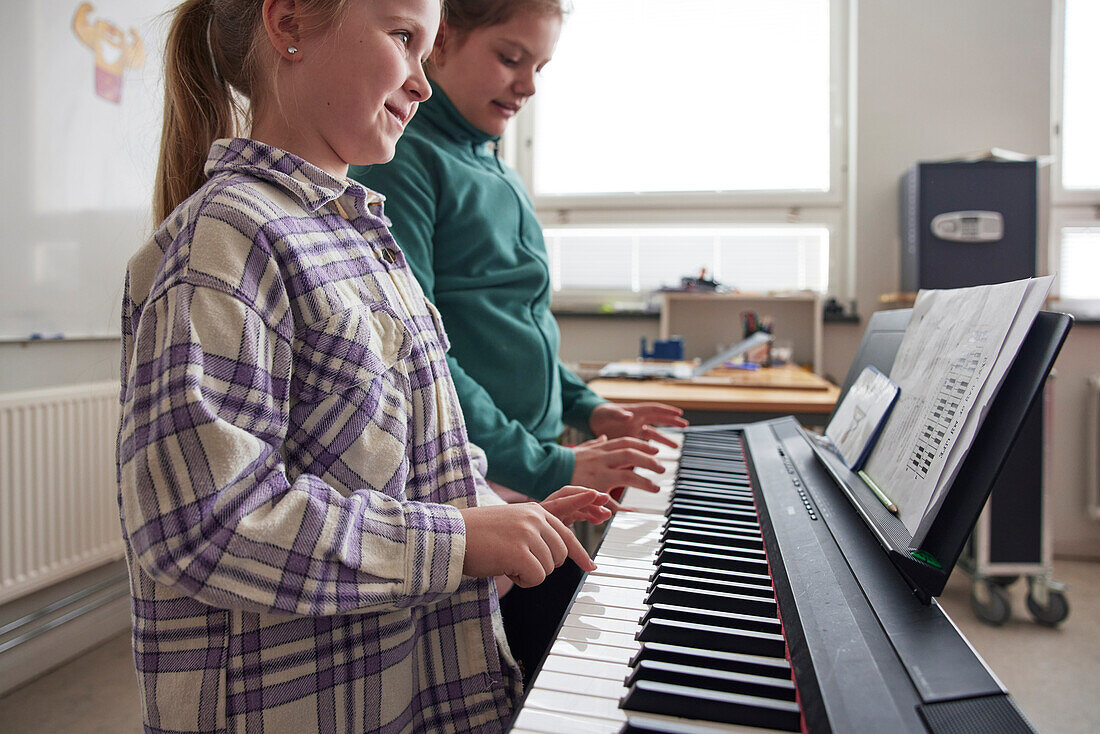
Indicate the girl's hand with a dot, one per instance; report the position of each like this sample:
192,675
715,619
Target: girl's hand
635,420
524,542
571,503
605,464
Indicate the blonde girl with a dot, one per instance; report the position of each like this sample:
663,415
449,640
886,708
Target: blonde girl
309,535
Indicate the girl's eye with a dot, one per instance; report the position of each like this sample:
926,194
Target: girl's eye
508,61
405,37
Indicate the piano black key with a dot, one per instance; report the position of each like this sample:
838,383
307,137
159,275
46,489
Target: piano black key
773,666
722,586
724,489
712,637
689,508
706,480
728,539
647,725
642,724
718,601
710,547
714,475
721,499
745,527
721,504
714,680
673,613
722,561
699,703
761,579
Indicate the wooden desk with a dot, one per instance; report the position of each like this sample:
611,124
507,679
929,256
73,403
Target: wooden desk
752,395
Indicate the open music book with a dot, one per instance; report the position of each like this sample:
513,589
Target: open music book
956,350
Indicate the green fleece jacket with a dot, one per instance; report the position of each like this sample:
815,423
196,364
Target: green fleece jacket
469,232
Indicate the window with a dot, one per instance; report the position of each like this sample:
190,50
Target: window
668,138
643,259
1080,258
1075,215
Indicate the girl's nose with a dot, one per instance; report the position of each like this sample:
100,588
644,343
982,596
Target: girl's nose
417,85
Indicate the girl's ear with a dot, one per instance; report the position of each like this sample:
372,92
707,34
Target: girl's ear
442,43
281,21
447,40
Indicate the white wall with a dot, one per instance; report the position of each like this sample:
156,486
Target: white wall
931,79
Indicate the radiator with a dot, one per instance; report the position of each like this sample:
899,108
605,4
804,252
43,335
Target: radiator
1092,449
58,507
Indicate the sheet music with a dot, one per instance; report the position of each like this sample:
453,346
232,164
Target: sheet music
955,353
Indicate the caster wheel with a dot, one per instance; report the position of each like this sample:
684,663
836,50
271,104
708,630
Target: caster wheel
1002,581
990,603
1053,613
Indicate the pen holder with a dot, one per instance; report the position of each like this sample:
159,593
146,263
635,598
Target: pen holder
761,355
671,349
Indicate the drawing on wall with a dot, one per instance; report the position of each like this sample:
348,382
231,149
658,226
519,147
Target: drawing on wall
81,122
114,53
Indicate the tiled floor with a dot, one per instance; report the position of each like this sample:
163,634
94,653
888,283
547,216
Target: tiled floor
1052,673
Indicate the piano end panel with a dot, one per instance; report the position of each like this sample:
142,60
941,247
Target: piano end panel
986,713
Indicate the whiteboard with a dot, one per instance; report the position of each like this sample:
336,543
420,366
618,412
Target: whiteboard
81,129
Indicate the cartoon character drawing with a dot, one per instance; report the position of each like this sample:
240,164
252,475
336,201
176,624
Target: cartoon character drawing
113,55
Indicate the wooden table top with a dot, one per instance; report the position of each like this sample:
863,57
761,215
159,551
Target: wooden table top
787,389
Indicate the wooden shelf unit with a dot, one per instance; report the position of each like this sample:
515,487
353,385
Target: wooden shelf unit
708,322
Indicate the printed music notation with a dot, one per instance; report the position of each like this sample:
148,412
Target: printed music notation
953,357
946,402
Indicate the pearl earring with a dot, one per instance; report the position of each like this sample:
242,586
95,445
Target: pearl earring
292,50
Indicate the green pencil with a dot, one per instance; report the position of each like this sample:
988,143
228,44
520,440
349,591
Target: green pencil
878,492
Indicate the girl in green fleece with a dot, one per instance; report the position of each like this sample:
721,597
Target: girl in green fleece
469,232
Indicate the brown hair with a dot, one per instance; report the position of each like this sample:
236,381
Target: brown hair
213,77
466,15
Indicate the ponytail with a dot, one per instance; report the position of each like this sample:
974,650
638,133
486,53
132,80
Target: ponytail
198,107
213,80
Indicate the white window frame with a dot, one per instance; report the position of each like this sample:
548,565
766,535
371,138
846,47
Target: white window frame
824,208
1069,207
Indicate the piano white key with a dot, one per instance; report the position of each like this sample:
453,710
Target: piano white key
548,700
611,596
538,721
635,552
621,582
629,527
601,622
592,636
595,610
629,568
574,649
552,680
585,667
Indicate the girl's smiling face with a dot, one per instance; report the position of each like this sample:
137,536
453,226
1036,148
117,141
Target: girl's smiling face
348,91
489,73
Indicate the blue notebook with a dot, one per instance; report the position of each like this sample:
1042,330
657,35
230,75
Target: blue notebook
858,420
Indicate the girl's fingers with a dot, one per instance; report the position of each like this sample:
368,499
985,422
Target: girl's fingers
651,434
576,551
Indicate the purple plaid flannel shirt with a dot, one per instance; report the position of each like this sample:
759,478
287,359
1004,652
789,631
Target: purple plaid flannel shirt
292,459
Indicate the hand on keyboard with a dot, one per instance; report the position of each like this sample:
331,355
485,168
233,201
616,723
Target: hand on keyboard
565,505
606,464
635,420
524,542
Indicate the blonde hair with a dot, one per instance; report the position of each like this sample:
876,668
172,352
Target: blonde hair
214,74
